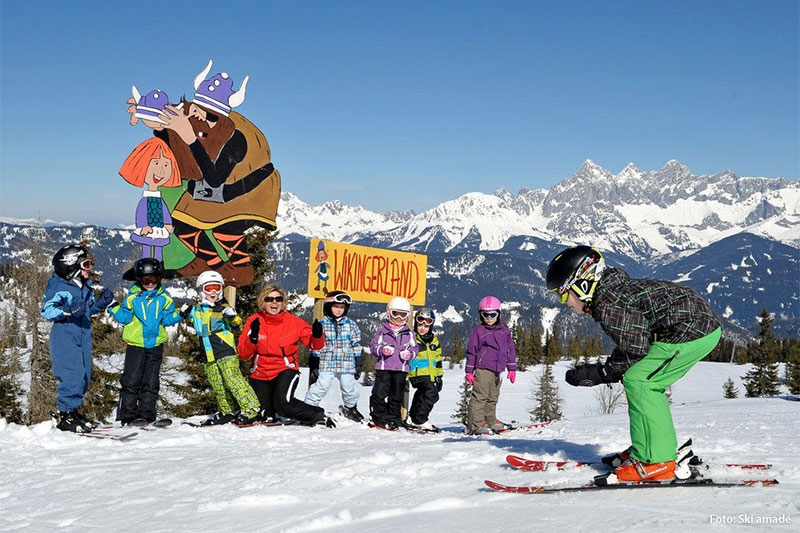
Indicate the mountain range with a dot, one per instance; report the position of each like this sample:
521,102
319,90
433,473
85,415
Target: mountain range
734,239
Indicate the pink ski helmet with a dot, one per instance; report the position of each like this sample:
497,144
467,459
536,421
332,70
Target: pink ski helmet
489,303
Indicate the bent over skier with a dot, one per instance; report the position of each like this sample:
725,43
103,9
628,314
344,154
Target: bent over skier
661,330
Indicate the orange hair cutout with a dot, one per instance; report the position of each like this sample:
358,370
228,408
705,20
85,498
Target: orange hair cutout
134,168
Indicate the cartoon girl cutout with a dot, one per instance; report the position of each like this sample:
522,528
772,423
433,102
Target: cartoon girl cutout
322,268
152,165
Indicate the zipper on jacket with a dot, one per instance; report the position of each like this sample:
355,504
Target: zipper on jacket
662,365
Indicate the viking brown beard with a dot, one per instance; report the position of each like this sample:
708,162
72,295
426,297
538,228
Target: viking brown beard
213,141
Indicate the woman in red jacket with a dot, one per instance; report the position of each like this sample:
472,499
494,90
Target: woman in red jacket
271,335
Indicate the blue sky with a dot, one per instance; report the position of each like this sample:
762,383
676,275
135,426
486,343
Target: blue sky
401,105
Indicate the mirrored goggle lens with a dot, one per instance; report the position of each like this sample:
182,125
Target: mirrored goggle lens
150,280
490,314
562,296
273,299
87,264
398,314
425,320
211,288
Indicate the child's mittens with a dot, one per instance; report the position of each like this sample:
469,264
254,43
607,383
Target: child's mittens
76,310
387,351
406,355
184,310
470,378
229,312
512,376
255,327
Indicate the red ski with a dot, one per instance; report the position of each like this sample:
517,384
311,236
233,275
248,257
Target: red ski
532,465
629,485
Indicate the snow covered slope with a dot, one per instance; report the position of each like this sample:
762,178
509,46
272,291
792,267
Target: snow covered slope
357,479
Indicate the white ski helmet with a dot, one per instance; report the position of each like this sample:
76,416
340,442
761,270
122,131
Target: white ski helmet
398,304
209,276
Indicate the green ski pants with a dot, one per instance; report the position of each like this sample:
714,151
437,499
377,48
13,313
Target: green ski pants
652,431
230,387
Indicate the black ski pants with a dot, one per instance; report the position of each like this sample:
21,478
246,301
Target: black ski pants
277,395
425,396
387,396
140,382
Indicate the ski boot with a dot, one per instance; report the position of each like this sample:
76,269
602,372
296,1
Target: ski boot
483,430
219,419
499,426
248,418
616,459
351,413
137,423
425,426
72,422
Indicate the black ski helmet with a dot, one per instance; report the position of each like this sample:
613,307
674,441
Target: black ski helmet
67,261
143,268
336,297
578,268
424,313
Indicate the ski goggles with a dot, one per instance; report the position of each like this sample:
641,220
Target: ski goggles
270,299
339,299
87,264
150,280
394,313
212,288
421,319
490,314
562,294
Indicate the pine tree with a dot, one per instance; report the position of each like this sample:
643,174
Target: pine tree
31,277
520,341
573,348
462,410
258,242
457,349
729,390
763,380
548,402
10,388
536,346
188,379
793,368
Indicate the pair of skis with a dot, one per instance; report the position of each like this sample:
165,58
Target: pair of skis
694,463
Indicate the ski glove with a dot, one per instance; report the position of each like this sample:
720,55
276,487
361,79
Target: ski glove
229,312
387,351
512,376
589,375
255,326
76,310
439,384
313,369
105,299
184,310
316,329
470,378
359,366
406,355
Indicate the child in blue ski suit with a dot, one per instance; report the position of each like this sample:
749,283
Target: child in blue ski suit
69,303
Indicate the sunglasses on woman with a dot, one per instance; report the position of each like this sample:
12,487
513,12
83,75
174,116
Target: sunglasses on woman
270,299
490,314
212,288
398,314
425,320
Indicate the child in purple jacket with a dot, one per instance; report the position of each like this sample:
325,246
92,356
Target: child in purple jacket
394,345
490,351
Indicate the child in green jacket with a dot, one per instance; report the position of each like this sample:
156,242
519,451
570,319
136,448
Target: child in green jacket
145,312
213,320
426,370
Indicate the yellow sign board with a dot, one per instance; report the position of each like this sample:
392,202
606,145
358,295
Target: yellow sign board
366,274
